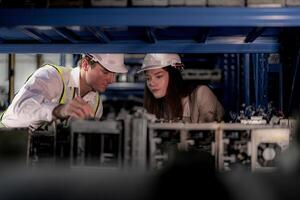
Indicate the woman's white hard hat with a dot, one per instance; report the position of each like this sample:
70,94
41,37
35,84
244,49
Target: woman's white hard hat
161,60
111,61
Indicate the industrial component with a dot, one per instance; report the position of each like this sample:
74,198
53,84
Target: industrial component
13,147
202,74
254,120
234,149
257,115
167,138
97,144
267,145
3,98
231,145
42,149
139,141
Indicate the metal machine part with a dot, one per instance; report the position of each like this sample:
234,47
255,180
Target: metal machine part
14,146
137,142
96,144
165,139
235,149
42,149
237,144
266,147
231,145
202,74
49,146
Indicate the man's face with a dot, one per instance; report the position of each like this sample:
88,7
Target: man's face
98,78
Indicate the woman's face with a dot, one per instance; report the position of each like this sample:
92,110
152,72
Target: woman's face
157,82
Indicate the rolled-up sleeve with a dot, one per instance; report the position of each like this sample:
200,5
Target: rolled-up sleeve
35,101
209,107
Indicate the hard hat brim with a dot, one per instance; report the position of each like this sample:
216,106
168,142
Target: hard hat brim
150,67
119,69
112,68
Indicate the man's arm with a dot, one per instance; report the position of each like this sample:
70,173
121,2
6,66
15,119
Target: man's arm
35,101
76,108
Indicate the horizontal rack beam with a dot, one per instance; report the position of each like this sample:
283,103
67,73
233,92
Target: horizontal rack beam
141,48
170,16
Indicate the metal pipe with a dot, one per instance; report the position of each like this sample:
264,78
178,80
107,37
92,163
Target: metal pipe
11,76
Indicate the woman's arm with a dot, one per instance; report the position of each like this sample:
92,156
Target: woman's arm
209,107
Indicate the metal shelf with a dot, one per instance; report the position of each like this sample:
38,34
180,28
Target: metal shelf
143,30
126,86
124,91
182,16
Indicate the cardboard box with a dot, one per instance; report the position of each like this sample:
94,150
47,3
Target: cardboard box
65,3
292,2
160,2
113,3
176,2
195,2
142,2
240,3
265,3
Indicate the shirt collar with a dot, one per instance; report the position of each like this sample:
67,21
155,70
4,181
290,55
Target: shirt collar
74,78
74,82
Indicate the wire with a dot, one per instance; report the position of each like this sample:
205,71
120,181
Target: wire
293,85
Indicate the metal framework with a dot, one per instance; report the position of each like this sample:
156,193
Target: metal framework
171,47
226,142
266,17
143,30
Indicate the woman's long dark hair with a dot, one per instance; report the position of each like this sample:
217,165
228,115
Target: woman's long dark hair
170,106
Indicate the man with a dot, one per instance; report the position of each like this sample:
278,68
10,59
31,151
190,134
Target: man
55,92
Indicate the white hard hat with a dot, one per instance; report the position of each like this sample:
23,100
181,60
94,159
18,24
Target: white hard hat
161,60
111,62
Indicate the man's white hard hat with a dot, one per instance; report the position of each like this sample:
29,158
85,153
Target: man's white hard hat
161,60
111,61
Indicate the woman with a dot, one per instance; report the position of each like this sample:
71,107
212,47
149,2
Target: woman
169,98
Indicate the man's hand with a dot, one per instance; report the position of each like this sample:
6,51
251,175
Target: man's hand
77,108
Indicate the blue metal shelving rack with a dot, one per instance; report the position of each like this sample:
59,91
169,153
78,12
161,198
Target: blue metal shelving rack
141,30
